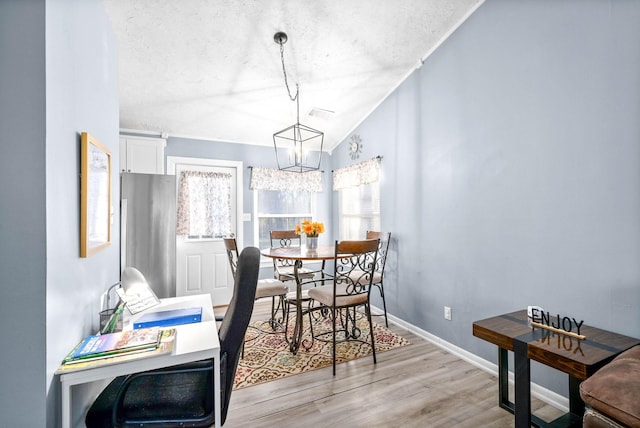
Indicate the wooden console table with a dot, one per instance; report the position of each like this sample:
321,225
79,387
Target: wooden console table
578,358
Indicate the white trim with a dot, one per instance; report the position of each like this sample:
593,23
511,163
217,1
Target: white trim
552,398
131,132
144,138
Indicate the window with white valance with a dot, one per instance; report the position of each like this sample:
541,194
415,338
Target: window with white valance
357,175
282,199
274,179
358,188
204,204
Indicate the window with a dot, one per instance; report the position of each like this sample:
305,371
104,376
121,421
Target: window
359,210
280,210
358,189
282,200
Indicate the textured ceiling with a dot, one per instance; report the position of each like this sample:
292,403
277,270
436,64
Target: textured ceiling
210,69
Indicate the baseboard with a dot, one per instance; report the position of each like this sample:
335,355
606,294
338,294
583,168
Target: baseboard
552,398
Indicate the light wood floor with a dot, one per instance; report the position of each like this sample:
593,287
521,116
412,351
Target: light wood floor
419,385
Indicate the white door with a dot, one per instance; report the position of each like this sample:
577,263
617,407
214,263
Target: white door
202,265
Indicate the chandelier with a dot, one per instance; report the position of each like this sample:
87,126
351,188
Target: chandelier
298,147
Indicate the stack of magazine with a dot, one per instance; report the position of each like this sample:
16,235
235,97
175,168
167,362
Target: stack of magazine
114,344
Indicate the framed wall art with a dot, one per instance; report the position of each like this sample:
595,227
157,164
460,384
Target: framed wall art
95,196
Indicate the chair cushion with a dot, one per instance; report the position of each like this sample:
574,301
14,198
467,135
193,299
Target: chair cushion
357,275
270,288
614,390
285,273
291,296
324,295
593,419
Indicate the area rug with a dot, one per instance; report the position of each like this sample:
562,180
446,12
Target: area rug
267,356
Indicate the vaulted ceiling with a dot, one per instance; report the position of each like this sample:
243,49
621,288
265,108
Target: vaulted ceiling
210,69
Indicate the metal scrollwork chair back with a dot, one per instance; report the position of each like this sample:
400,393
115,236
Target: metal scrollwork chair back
273,288
381,260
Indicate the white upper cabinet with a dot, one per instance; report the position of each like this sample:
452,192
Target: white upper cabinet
142,155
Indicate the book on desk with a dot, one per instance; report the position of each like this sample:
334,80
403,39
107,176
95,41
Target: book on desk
107,345
165,346
169,318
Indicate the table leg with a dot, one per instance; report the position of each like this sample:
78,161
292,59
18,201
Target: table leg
503,379
522,384
576,405
294,344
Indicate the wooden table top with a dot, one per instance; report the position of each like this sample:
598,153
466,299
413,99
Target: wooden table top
579,358
323,252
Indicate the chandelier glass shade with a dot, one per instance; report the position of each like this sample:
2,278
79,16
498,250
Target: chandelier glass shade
298,148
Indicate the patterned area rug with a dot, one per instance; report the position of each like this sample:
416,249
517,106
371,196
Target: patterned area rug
267,356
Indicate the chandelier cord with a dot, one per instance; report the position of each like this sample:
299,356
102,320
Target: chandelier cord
284,72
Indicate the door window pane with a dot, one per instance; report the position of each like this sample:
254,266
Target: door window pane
204,204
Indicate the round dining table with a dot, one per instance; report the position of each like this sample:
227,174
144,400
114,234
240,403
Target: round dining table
299,255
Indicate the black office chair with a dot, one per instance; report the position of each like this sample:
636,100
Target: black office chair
183,395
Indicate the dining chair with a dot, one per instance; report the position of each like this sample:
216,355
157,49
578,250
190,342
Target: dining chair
183,395
381,260
283,269
353,271
273,288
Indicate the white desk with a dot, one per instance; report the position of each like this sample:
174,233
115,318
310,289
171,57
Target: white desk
194,342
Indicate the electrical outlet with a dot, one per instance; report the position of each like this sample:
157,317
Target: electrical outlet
447,313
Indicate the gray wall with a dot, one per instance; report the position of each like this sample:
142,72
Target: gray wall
511,171
55,84
22,213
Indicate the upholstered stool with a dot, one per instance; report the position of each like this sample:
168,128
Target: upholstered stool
612,394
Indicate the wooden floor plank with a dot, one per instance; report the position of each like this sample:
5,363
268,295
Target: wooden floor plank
419,385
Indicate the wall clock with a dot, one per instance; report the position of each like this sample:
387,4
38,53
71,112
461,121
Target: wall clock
354,147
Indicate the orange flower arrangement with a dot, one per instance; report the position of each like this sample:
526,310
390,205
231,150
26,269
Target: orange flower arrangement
310,228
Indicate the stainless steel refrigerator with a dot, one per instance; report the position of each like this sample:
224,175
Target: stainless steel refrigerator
148,229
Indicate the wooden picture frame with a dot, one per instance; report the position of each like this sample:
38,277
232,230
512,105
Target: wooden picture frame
95,196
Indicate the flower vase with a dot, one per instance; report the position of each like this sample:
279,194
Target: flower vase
312,243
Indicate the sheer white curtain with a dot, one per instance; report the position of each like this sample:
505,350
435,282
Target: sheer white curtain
274,179
358,188
356,175
204,204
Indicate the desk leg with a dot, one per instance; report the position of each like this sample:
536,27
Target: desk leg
66,405
522,384
216,390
